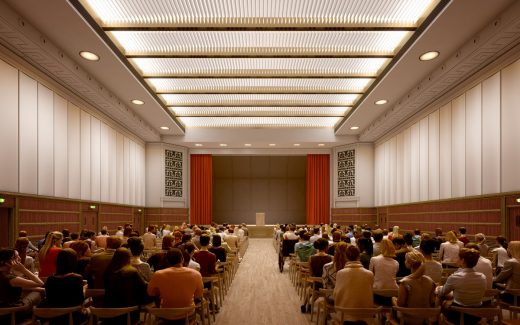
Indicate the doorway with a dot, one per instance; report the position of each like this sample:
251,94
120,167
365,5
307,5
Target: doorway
5,227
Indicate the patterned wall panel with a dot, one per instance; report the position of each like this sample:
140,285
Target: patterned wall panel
346,173
173,164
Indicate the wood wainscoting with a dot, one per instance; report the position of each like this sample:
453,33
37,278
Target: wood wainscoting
354,216
166,216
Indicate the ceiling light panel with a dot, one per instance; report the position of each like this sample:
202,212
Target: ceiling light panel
273,43
260,111
161,67
251,85
259,99
362,13
260,121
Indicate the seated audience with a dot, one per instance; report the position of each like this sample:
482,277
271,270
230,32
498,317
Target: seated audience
217,249
83,255
401,248
510,274
378,237
188,250
290,234
385,268
304,249
463,238
336,238
49,252
206,259
432,268
231,240
95,270
354,285
416,290
124,286
449,250
500,254
149,238
158,260
315,234
467,285
416,240
483,266
330,269
101,239
74,237
65,287
318,260
21,245
136,247
480,240
365,247
15,290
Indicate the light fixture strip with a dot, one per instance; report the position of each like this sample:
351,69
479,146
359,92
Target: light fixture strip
260,121
260,111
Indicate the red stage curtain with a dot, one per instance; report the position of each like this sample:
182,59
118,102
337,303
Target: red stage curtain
201,189
318,189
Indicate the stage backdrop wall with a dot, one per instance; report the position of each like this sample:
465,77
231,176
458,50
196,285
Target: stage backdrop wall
244,185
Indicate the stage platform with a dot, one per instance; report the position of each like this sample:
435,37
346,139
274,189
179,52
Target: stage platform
260,231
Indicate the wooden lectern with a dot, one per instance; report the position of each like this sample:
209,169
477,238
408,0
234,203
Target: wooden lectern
260,219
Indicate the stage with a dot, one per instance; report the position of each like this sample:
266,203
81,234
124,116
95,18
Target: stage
266,231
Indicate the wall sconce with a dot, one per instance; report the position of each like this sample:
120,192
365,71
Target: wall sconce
92,207
139,210
2,200
517,200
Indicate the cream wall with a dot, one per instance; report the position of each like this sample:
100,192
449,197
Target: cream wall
467,147
50,146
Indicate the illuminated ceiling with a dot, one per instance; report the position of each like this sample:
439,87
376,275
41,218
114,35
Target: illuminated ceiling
270,63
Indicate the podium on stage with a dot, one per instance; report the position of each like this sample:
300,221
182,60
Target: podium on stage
260,219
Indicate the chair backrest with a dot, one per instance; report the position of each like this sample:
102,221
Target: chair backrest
48,313
113,312
418,313
12,311
288,246
483,312
386,292
173,313
356,313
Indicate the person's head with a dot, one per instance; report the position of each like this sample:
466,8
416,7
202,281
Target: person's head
502,241
186,238
53,240
127,232
104,232
398,243
7,256
417,232
174,257
65,232
80,247
121,258
462,230
22,233
438,232
340,255
204,240
427,247
336,236
321,244
472,246
21,247
451,237
395,231
469,257
480,238
66,261
167,242
316,231
352,253
387,248
514,249
113,242
306,236
414,261
216,241
74,236
151,228
378,236
190,248
135,245
177,235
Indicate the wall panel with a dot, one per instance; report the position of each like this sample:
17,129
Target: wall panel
400,167
445,151
474,141
104,163
433,156
386,173
28,135
45,143
74,151
61,181
85,156
392,147
120,149
458,147
491,135
112,164
95,159
415,163
510,123
132,177
407,156
126,170
9,127
423,159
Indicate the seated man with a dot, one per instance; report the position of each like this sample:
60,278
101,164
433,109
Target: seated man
95,270
467,285
176,286
304,249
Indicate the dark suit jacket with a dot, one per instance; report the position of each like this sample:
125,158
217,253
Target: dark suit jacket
510,274
95,270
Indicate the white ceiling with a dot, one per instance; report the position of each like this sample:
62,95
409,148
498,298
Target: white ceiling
198,99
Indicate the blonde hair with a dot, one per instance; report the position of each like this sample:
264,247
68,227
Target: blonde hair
514,249
52,239
387,248
450,236
414,260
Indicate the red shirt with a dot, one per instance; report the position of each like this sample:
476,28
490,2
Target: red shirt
207,261
48,264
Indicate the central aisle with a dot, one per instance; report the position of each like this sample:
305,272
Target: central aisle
260,294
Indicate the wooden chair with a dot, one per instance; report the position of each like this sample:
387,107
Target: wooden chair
12,312
482,312
514,318
287,248
94,297
504,305
356,313
106,313
49,313
312,291
173,314
426,314
323,307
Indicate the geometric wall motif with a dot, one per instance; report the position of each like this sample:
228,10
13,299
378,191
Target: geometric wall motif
173,173
347,173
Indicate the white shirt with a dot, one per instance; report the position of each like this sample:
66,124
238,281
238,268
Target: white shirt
385,270
450,252
501,256
314,238
149,240
467,285
433,269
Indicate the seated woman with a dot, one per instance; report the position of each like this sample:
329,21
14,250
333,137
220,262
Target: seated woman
354,285
366,248
17,290
124,286
49,252
82,249
217,249
158,260
136,246
21,245
511,272
385,269
433,269
65,288
316,263
467,285
188,251
330,269
500,254
449,250
415,290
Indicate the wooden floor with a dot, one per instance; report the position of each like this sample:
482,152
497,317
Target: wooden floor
260,294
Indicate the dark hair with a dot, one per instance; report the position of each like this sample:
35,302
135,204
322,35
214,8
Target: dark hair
74,235
336,236
417,232
408,239
189,247
127,232
352,253
321,244
378,236
167,242
174,256
204,240
428,246
216,241
6,255
472,246
22,233
306,236
502,241
113,242
136,246
365,244
186,238
120,259
462,230
80,247
65,232
66,261
21,247
470,256
104,231
398,241
316,231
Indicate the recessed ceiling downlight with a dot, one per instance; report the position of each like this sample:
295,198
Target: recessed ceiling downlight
429,55
137,102
164,128
354,127
381,102
198,144
247,144
89,56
